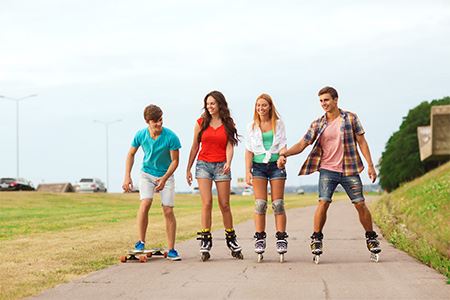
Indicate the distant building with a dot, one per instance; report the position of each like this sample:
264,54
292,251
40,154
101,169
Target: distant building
434,140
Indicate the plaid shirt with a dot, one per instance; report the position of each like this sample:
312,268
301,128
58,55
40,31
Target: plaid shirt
350,127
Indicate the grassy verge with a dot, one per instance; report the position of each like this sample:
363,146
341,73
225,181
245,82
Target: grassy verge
415,218
64,236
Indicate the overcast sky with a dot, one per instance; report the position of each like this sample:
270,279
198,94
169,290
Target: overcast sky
106,60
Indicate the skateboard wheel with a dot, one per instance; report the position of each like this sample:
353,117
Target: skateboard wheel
123,259
165,254
143,258
149,254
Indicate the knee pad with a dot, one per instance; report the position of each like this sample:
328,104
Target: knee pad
260,206
278,206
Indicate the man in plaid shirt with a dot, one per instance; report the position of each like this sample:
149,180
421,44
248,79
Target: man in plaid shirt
335,156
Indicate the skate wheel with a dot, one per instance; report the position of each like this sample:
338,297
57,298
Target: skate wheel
205,256
123,259
375,257
165,254
237,255
316,259
282,258
260,257
143,258
149,254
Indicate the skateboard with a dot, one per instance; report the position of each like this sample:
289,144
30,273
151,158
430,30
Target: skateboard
142,255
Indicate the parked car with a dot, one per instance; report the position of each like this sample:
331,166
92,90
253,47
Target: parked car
248,191
91,185
300,191
16,184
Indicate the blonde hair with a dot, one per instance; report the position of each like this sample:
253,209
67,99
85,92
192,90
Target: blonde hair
274,115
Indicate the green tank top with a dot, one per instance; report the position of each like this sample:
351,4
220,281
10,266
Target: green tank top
267,143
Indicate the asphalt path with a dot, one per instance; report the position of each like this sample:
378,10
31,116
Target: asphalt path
344,272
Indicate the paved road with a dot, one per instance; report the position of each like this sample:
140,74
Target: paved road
344,272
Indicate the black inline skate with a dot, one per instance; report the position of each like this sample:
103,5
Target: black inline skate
316,246
205,238
373,245
236,250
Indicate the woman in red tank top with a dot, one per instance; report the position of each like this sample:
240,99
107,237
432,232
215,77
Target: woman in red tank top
215,135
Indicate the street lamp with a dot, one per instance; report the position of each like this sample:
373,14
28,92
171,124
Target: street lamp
107,144
17,100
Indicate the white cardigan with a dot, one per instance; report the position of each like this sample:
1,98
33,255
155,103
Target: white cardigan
254,141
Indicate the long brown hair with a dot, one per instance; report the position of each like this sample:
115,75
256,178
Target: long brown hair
224,114
274,115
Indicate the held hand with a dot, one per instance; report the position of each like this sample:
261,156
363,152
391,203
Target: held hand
127,185
249,178
372,173
281,162
160,183
226,168
189,178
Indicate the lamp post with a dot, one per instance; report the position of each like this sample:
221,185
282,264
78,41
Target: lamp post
107,145
17,100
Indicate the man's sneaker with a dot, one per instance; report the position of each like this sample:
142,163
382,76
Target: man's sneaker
139,246
173,255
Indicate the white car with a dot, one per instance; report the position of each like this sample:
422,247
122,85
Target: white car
300,191
248,191
90,185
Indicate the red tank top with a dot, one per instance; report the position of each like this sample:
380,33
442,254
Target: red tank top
213,144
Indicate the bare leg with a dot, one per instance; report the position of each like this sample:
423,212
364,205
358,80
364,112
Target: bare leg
260,189
364,215
223,193
320,216
205,186
171,226
277,187
142,218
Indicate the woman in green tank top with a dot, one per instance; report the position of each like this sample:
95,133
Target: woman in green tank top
266,137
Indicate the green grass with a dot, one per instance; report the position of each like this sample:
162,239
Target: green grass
69,235
415,218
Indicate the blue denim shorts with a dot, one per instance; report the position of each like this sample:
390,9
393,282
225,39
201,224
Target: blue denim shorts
329,180
211,170
268,171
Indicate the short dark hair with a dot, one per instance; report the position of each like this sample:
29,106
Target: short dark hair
329,90
153,113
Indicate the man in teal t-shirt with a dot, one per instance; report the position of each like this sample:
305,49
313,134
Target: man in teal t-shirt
161,158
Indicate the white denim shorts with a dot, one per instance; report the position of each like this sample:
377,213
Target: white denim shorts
147,184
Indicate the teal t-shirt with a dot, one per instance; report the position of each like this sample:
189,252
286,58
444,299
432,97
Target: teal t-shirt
156,152
267,143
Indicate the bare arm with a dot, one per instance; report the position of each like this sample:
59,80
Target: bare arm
229,154
295,149
127,185
192,154
175,156
248,167
366,153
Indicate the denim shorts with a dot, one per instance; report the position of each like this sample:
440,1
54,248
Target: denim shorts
329,180
268,171
211,170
